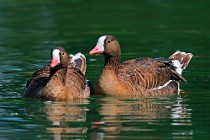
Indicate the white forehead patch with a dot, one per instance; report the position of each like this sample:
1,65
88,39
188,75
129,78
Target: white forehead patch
55,53
100,42
102,38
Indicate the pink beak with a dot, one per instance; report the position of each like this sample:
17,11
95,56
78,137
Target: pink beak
54,62
96,50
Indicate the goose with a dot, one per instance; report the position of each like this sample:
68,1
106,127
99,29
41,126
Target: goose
61,80
138,77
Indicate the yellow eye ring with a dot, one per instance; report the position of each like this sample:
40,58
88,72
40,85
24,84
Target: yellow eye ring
109,41
62,53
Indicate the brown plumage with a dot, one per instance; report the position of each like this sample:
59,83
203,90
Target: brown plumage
138,77
63,79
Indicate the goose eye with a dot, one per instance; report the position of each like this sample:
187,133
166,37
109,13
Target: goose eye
62,53
108,41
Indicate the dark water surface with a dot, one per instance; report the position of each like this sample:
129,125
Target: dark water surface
146,28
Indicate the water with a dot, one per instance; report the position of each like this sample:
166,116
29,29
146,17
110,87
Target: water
28,31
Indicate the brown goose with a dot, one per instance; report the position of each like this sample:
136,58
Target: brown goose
138,77
63,79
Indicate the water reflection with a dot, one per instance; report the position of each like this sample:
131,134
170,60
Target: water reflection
181,117
124,118
102,118
67,119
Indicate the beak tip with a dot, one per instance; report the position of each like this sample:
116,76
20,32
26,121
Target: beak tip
90,52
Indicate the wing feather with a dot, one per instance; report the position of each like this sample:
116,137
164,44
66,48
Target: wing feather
148,72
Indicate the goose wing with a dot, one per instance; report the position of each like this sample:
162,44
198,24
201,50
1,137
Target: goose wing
148,72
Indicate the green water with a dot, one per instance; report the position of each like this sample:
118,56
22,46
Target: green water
145,28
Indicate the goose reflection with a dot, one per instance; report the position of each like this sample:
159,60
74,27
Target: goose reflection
66,118
140,116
